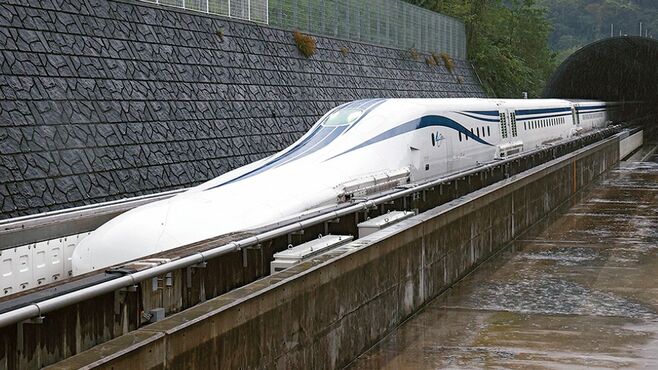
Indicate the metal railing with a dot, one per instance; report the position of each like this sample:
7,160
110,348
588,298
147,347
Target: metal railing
391,23
385,22
252,10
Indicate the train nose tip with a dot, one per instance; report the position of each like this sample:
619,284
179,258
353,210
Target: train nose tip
129,236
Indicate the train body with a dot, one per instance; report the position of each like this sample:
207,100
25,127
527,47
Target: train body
356,149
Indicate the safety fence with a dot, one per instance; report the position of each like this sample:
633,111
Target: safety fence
252,10
391,23
385,22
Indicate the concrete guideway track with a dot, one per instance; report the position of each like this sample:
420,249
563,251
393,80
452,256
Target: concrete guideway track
580,293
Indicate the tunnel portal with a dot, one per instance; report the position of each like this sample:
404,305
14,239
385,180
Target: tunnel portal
621,69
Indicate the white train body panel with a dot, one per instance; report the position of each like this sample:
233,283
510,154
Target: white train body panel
381,137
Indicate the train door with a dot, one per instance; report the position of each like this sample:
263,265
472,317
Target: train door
575,116
504,123
513,129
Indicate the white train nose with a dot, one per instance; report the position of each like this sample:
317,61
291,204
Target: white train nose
134,234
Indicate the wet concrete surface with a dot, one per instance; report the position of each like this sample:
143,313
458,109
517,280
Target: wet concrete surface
581,293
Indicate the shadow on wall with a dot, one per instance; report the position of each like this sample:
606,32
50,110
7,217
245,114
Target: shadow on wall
616,69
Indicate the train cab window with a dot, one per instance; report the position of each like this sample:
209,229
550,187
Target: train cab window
342,117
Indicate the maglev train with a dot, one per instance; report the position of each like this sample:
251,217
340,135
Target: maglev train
354,150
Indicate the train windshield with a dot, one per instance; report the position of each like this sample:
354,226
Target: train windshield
342,117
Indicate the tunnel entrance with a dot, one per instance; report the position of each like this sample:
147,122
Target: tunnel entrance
621,69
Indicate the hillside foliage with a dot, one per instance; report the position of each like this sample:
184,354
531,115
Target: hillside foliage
579,22
507,42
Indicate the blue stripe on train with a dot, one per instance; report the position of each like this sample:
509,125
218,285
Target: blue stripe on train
320,137
417,124
525,112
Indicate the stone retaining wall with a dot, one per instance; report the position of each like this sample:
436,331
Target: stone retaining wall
105,99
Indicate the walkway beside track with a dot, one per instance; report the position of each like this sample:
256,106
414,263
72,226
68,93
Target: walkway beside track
580,293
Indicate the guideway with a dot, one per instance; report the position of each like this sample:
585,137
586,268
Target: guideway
579,293
327,310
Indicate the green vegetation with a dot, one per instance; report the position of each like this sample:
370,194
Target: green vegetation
414,54
577,23
507,42
448,62
305,44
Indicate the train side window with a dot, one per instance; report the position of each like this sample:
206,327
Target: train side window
460,136
477,129
488,131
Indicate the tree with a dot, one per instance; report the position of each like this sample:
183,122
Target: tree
508,42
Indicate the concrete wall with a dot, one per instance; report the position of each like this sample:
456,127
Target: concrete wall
104,99
325,312
629,144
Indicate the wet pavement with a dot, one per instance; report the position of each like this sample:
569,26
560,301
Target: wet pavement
582,293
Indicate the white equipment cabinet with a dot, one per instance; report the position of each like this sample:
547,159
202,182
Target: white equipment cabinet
375,224
293,256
